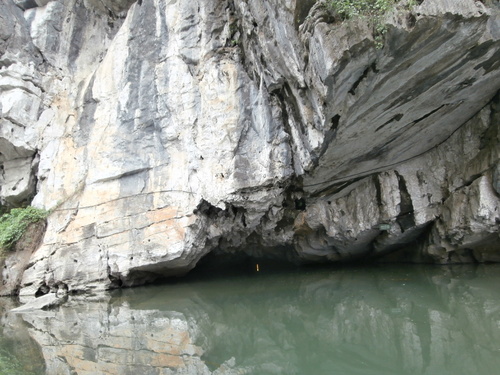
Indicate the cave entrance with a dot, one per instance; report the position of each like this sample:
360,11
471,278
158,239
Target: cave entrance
217,265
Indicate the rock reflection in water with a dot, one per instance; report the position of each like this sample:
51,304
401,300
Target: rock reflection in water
388,320
105,338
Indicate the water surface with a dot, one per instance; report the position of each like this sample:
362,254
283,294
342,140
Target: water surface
368,320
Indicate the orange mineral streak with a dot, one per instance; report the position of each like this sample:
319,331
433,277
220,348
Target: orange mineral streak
166,222
119,354
163,214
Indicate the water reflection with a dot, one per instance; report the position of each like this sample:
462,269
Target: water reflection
385,320
19,354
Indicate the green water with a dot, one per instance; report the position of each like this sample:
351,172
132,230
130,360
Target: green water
370,320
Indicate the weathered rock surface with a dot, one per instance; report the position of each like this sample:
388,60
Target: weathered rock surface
46,301
161,131
442,205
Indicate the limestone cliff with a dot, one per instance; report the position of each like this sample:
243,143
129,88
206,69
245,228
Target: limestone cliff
161,131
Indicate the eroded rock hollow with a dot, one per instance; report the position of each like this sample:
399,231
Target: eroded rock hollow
158,132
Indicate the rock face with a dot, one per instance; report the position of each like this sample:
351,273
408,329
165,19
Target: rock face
162,131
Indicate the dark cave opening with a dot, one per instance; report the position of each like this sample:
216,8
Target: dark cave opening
216,265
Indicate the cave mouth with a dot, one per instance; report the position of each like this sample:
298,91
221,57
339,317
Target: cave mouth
217,265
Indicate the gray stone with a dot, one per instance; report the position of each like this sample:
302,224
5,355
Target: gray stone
496,179
44,302
28,4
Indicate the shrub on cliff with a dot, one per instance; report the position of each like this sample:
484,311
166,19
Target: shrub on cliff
359,8
13,365
373,10
14,224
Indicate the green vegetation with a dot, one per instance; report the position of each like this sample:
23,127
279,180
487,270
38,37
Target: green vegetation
9,365
14,224
362,8
373,10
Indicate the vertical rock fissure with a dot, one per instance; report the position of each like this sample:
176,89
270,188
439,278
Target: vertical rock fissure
286,124
405,218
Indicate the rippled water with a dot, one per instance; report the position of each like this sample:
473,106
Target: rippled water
375,320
